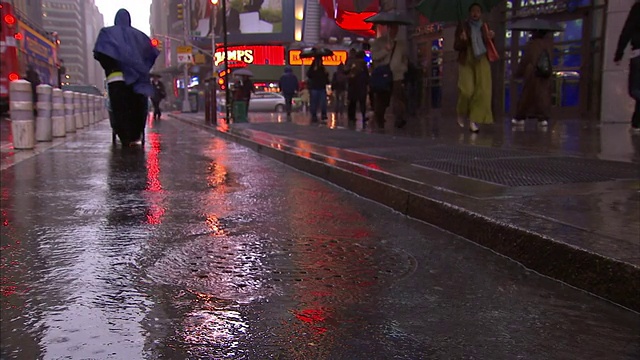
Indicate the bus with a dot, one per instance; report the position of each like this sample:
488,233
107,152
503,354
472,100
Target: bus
23,44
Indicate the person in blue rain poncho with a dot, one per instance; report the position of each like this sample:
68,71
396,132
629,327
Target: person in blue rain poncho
126,55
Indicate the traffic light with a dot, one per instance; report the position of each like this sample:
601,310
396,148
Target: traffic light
159,46
214,2
180,13
155,42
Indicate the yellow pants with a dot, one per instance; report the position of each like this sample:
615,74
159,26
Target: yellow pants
474,90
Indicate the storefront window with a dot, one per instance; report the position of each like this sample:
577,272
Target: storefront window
572,31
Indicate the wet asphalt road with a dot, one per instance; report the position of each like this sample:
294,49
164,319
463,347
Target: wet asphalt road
196,248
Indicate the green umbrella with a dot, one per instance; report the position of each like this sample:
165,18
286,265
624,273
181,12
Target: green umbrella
451,10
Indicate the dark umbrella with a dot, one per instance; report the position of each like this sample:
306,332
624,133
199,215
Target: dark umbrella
390,18
451,10
535,24
315,52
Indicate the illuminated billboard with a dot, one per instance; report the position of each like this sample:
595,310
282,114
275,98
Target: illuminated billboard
248,21
338,57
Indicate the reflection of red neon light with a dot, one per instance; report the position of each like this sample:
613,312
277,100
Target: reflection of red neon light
154,186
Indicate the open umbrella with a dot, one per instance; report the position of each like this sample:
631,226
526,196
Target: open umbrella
243,72
535,24
389,18
451,10
315,52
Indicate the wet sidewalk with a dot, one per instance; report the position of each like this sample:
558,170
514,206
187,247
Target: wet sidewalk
563,201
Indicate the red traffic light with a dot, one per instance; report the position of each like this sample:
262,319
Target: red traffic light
155,42
9,19
13,76
17,36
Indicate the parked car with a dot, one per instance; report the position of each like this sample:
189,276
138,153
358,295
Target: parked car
266,101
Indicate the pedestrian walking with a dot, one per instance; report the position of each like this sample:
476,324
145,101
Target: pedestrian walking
473,42
126,55
159,93
631,33
318,79
536,71
358,87
243,88
288,86
390,62
339,88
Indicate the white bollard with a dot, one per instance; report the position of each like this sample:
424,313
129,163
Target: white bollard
69,110
21,107
77,110
57,114
43,120
85,110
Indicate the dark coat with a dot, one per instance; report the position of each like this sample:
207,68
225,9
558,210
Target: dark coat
358,74
288,83
318,77
159,91
535,99
630,32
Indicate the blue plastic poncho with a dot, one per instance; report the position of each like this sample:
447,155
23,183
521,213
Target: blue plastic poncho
131,48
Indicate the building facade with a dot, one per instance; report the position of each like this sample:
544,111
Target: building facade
30,10
66,18
77,23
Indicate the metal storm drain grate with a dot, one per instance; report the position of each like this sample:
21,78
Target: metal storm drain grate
531,171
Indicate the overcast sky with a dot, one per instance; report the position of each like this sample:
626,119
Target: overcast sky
139,10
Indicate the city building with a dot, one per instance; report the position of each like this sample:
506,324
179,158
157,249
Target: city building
77,23
30,11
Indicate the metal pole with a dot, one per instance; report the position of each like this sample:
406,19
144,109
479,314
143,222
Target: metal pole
186,106
227,103
214,83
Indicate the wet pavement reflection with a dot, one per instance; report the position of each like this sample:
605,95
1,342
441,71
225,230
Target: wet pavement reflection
196,248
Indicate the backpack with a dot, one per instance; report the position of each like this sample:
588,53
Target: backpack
543,65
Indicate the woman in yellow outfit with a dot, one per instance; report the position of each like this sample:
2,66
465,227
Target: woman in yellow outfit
474,79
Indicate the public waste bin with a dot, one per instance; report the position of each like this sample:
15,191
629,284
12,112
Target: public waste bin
239,111
193,101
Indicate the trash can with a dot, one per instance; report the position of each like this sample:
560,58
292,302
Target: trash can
239,111
193,101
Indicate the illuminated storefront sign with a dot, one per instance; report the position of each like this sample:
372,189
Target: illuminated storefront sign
239,56
338,57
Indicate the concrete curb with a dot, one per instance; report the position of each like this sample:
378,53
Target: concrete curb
608,278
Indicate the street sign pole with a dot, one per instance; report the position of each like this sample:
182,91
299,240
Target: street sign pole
226,60
212,25
186,106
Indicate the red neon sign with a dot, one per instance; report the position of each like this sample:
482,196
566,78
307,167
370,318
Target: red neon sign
240,56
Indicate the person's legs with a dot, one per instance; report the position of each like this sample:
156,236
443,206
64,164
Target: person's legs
287,101
480,106
634,89
465,92
351,108
156,109
363,107
323,104
398,102
381,102
313,107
